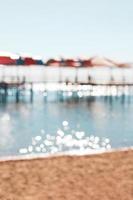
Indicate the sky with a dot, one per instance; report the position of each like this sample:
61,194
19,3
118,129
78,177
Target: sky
70,28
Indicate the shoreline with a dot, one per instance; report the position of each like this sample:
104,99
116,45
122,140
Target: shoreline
67,153
107,176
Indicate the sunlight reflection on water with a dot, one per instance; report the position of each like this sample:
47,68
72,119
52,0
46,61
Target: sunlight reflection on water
65,140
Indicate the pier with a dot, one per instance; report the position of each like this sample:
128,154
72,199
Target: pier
15,81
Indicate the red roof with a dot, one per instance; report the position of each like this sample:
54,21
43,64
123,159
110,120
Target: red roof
53,62
6,60
70,63
86,63
29,61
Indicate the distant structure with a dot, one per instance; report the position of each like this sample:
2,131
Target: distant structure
19,72
14,59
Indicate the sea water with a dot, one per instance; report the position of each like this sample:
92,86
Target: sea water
92,123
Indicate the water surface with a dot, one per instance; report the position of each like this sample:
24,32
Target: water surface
98,118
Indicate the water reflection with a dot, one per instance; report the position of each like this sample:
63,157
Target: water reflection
63,141
88,124
6,138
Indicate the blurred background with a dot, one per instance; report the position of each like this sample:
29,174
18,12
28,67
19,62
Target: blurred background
66,76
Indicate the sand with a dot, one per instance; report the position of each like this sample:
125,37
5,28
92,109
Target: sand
105,176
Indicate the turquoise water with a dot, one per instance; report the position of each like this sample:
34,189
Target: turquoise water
39,127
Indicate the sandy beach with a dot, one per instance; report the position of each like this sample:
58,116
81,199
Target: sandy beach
107,176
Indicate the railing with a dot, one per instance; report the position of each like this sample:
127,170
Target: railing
36,74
